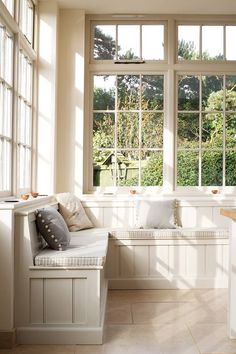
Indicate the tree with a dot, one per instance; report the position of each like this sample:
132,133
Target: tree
104,45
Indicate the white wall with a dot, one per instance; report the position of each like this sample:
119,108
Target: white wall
70,101
47,105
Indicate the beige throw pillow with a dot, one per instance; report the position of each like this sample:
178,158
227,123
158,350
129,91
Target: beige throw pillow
73,212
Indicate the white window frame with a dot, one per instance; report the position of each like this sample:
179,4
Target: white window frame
116,149
21,43
209,22
7,134
171,66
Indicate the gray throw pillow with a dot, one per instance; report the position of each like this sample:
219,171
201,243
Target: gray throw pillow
157,214
53,228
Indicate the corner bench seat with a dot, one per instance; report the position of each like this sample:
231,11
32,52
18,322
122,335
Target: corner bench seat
88,248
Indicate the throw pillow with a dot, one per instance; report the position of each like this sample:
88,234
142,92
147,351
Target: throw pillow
52,227
73,212
161,214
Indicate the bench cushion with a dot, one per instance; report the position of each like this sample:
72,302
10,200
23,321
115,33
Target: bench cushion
87,249
166,234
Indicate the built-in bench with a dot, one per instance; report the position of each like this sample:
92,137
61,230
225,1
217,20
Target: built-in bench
61,295
162,259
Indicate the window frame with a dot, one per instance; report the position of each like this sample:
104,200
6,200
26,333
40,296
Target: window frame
120,189
171,67
204,189
128,22
202,24
20,43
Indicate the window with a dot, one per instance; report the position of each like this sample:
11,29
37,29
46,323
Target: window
128,114
24,129
158,119
195,42
206,154
128,42
16,99
27,19
6,103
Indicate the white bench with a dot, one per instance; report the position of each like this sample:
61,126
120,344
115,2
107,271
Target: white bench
60,297
162,259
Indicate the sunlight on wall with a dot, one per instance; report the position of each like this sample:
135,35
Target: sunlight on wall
78,149
45,42
79,64
47,97
45,133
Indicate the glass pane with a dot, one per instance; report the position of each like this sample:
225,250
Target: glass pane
212,168
230,131
26,19
7,106
104,42
230,104
188,42
188,130
212,93
9,5
230,42
127,170
230,170
152,130
152,92
128,42
212,49
103,160
152,168
28,120
103,130
29,83
5,165
188,93
153,42
8,59
128,92
104,92
1,109
128,130
187,168
2,68
212,130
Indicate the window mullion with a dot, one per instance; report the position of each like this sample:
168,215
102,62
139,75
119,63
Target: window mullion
200,133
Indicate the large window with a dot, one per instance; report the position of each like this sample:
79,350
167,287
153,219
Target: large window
16,98
128,114
162,104
206,130
6,104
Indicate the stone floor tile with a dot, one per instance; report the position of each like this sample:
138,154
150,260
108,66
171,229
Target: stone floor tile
212,339
131,339
176,339
156,313
118,313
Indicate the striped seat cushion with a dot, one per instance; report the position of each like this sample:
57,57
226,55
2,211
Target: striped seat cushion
88,249
168,234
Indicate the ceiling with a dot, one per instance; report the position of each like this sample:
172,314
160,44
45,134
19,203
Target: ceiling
151,6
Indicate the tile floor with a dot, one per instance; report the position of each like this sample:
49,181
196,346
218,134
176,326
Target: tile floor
157,322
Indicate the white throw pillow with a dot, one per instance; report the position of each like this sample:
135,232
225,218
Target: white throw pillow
161,214
73,212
